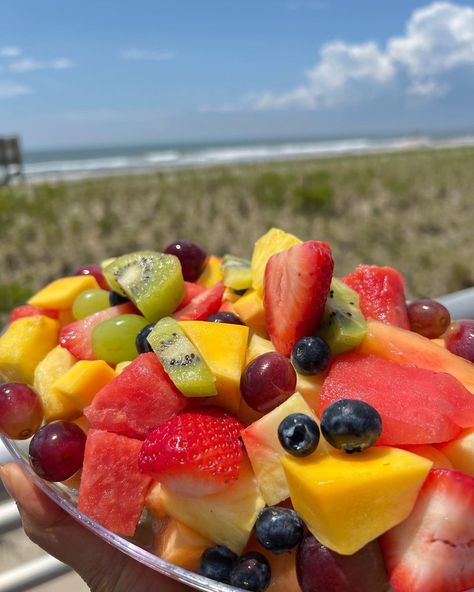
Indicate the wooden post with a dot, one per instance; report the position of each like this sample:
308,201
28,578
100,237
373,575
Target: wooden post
10,159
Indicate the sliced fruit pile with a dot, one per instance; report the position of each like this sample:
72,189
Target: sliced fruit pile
260,422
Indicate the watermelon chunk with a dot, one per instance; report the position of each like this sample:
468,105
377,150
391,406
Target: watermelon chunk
417,406
138,400
202,305
381,292
76,337
191,290
113,489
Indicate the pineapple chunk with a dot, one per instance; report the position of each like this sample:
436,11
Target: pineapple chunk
54,365
120,367
83,381
348,500
250,310
24,344
212,272
274,241
226,518
223,347
61,293
460,452
177,543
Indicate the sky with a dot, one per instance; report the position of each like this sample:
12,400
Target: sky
102,72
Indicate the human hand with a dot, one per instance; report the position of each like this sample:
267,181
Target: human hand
101,566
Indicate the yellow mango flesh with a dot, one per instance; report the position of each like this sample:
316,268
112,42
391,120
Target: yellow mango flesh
348,500
272,242
24,344
54,365
461,452
249,308
83,381
223,347
212,272
177,543
61,293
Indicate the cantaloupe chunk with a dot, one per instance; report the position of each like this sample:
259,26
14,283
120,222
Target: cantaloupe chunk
348,500
177,543
83,381
282,566
54,365
249,308
212,272
62,292
223,347
461,452
440,460
24,344
407,347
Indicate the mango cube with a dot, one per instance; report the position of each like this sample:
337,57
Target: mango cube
24,344
83,381
61,293
223,347
348,500
460,452
212,272
54,365
250,309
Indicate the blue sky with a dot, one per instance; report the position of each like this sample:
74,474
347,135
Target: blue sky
103,72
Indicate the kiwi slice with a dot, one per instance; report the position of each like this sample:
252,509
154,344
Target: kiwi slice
153,282
343,326
237,273
181,360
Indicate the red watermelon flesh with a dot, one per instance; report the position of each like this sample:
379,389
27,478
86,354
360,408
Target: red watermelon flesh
191,290
136,401
77,336
417,406
113,489
382,294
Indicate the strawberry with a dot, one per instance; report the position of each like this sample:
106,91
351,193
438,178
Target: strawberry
77,336
202,305
433,549
27,310
191,290
196,453
382,294
296,288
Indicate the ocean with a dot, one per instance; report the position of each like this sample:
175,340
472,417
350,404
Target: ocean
77,163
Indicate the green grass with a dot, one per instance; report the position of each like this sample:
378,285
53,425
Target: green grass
411,210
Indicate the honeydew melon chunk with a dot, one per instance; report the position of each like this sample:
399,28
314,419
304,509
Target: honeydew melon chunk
348,500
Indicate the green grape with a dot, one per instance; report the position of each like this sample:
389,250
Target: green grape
89,302
114,340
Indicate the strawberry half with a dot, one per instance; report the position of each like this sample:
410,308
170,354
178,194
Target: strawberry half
433,549
296,287
202,305
27,310
195,453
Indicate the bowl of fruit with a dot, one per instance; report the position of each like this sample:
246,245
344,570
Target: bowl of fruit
256,425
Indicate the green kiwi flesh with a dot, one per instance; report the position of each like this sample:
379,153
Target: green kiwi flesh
343,326
237,273
152,281
181,360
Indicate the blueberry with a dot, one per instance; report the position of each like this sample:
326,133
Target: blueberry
310,355
279,529
217,562
351,425
116,298
141,342
298,434
224,317
251,572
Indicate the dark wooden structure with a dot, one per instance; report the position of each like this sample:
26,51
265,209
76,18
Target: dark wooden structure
11,162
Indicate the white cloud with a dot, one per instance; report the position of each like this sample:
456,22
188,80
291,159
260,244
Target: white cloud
147,55
29,64
12,89
438,39
10,52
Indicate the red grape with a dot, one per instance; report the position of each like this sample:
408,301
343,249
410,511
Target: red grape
96,271
268,381
191,256
459,339
321,570
57,450
428,318
21,412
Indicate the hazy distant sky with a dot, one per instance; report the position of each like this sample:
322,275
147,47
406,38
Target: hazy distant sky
106,72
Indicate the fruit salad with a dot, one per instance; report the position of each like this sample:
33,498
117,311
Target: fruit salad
259,422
